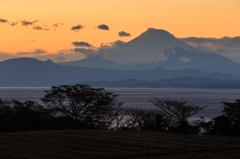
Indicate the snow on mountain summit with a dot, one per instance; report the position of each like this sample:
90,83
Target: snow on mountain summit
153,45
156,48
159,38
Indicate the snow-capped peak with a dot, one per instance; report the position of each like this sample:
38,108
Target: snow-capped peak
153,45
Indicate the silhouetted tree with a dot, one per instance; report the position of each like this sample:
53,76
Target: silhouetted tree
178,110
141,119
90,106
18,116
154,120
232,112
229,122
221,125
5,116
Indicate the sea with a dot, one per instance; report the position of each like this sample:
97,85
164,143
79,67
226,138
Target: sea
140,97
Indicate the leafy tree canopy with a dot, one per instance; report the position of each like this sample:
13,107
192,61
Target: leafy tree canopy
82,102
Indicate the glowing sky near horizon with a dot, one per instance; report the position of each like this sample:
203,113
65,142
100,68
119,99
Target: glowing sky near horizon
185,18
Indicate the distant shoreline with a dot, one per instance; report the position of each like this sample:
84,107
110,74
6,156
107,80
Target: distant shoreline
28,87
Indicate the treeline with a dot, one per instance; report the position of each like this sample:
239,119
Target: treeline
84,107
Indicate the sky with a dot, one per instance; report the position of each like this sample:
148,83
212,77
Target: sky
53,28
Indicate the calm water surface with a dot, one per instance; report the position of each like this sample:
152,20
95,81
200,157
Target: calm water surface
139,97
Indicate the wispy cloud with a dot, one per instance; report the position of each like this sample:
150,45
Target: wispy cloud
40,28
123,33
60,59
14,23
33,24
47,28
35,52
27,23
226,46
41,54
5,56
103,27
57,25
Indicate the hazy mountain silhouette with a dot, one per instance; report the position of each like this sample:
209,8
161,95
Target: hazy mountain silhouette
157,48
32,72
178,82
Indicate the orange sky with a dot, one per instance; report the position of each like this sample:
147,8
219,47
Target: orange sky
200,18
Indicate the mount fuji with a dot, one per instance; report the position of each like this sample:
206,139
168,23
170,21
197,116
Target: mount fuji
156,48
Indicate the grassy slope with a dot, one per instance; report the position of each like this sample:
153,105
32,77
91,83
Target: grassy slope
108,144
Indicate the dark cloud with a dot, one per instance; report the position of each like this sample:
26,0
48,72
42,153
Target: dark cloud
226,46
77,27
7,22
83,50
103,27
40,28
3,20
117,49
123,33
35,52
82,43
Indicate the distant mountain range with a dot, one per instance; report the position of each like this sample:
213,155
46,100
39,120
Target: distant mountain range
156,48
154,59
32,72
179,82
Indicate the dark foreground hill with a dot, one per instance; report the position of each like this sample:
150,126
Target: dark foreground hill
96,144
32,72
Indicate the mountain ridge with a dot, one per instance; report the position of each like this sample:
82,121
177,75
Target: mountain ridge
33,72
177,82
157,48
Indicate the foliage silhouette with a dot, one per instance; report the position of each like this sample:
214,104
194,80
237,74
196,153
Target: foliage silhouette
229,122
232,112
144,119
220,125
178,110
94,107
26,116
84,107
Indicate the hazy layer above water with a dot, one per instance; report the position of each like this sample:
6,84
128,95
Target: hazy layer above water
139,97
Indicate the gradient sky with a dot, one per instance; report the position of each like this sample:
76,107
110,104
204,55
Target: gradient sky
183,18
